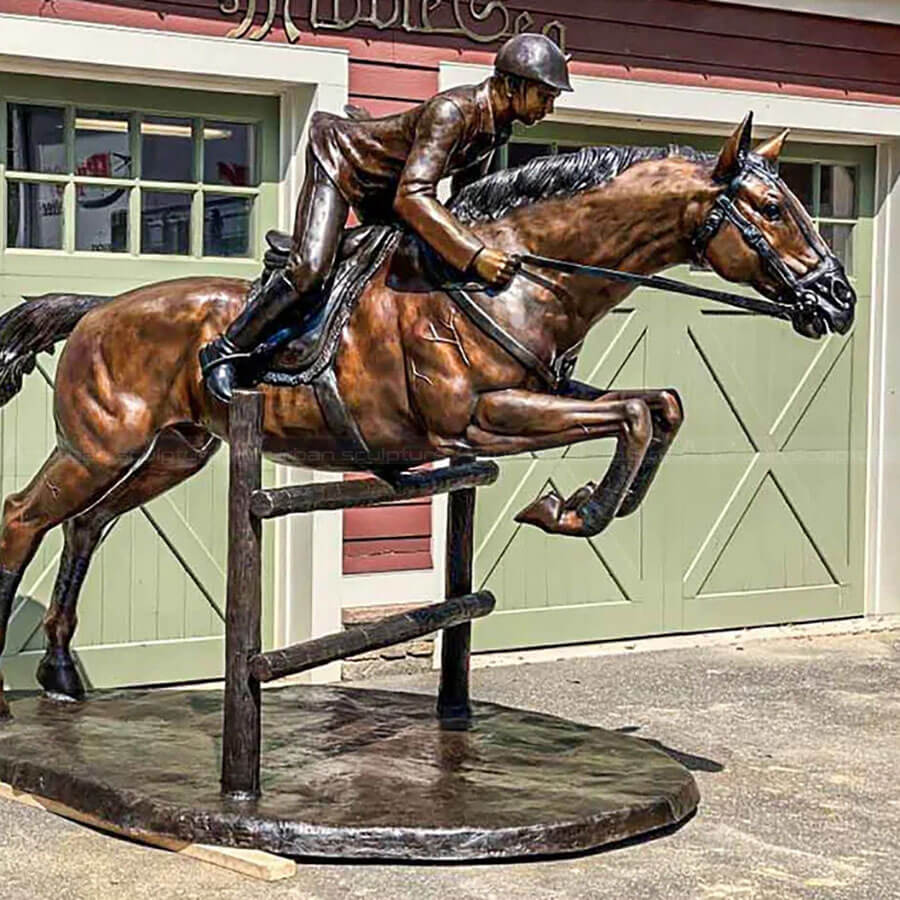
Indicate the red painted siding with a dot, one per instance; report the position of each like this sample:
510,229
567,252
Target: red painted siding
662,40
387,538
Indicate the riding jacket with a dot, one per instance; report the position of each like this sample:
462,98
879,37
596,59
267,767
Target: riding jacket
389,168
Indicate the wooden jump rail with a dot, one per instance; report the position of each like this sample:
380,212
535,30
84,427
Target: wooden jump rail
270,502
392,630
246,666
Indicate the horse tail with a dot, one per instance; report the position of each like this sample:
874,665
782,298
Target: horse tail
33,327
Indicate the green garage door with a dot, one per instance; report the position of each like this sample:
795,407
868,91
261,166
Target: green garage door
757,515
103,188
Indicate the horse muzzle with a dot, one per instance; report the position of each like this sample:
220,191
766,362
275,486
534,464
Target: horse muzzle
823,300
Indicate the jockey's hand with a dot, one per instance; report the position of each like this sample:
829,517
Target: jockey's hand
494,266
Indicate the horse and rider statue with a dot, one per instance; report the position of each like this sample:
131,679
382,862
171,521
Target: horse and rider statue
430,332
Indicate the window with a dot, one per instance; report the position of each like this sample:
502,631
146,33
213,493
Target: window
95,180
830,194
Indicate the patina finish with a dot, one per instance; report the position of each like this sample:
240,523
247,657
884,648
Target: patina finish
349,773
421,380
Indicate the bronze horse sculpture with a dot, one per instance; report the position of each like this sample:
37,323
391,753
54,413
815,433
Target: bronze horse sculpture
420,378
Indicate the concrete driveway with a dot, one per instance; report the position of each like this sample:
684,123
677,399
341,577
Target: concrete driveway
795,744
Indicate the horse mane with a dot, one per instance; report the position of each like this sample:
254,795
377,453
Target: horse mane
546,177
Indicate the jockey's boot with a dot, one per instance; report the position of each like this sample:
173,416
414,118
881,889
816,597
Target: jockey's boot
219,359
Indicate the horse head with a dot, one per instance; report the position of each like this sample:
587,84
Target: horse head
757,232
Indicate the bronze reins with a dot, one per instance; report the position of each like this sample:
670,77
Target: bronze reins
754,304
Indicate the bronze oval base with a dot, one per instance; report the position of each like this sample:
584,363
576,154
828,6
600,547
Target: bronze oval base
348,773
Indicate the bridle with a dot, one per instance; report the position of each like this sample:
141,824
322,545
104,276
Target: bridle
828,269
725,207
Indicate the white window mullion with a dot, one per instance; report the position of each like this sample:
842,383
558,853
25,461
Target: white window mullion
134,200
197,202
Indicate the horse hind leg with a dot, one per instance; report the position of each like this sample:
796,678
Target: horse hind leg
64,486
667,416
176,455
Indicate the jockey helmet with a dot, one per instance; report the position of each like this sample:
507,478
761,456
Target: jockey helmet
535,57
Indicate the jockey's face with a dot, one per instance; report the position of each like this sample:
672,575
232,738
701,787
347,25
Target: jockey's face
532,101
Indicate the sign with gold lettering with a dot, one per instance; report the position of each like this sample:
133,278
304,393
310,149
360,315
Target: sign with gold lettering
482,21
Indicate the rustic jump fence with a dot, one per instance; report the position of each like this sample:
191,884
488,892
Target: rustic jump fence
247,666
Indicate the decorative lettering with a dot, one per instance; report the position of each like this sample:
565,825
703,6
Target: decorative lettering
481,21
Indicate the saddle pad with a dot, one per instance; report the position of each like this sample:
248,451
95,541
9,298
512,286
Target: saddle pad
370,247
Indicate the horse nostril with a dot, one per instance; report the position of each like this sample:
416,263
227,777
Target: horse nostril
843,293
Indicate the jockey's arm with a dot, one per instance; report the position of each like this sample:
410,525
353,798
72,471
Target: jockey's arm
439,131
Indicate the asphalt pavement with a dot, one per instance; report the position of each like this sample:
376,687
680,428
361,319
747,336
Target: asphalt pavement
795,745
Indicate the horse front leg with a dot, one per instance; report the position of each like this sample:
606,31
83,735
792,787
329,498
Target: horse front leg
667,413
515,421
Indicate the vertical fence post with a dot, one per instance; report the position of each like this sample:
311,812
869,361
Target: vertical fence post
453,696
241,728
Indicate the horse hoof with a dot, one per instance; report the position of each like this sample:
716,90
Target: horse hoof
58,676
543,513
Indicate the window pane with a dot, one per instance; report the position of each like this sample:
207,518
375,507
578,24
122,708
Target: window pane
102,146
36,138
166,222
229,154
35,215
167,149
799,178
840,239
838,192
101,218
226,225
520,153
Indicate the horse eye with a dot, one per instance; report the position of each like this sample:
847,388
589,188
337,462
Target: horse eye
771,211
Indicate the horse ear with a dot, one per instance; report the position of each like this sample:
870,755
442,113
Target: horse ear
735,150
771,149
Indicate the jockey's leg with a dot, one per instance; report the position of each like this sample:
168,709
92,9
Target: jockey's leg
319,222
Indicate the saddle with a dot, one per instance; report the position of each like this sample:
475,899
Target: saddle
414,268
292,362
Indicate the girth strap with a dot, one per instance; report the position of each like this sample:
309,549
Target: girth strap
481,319
337,417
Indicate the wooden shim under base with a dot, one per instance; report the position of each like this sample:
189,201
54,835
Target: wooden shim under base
253,863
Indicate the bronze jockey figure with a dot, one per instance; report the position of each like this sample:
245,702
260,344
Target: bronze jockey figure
388,169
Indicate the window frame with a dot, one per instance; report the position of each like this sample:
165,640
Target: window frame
72,96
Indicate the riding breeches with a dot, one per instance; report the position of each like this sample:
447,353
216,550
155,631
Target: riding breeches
318,225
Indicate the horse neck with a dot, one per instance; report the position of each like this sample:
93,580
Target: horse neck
640,222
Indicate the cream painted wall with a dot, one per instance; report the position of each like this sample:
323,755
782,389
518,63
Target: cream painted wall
884,454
